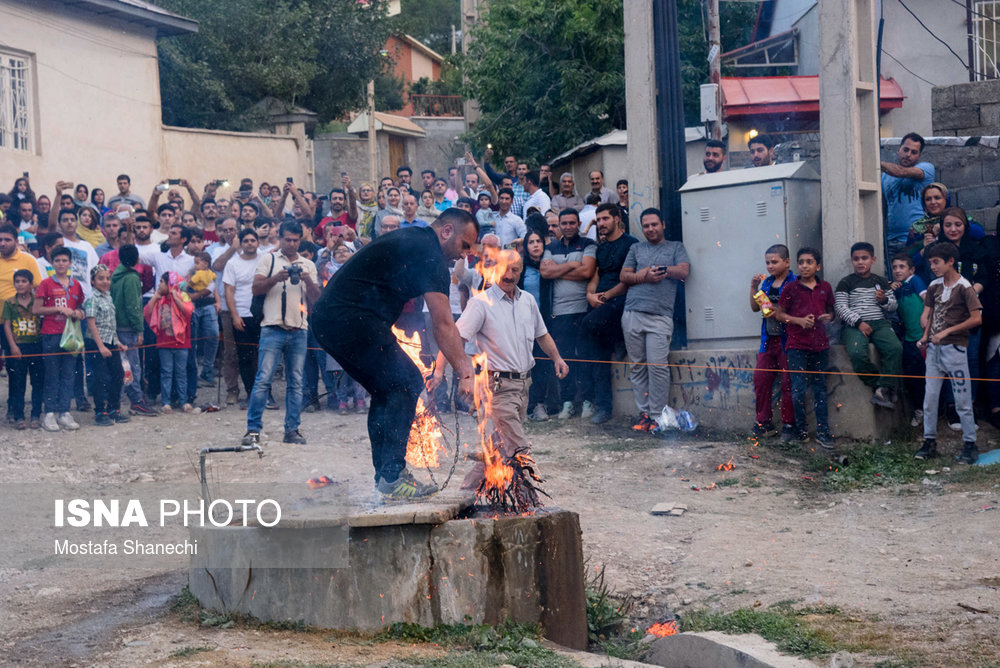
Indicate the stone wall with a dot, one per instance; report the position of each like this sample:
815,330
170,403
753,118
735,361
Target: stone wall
966,109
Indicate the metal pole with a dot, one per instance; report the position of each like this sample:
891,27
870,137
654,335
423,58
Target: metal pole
670,113
714,68
372,142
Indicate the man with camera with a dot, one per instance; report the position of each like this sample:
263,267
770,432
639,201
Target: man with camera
289,284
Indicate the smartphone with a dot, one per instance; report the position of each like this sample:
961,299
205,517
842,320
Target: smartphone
174,182
219,183
460,162
288,179
343,174
25,174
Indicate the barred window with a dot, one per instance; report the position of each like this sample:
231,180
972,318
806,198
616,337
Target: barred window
987,34
15,102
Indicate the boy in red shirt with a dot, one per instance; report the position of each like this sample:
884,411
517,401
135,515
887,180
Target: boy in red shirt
805,306
57,298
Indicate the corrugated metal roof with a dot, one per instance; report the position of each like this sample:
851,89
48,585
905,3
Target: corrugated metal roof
754,96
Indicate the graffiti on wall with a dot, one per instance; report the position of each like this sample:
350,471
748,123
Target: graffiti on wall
723,381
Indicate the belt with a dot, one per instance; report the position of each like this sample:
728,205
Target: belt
510,375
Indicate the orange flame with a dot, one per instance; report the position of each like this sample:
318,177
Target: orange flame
663,629
425,443
728,466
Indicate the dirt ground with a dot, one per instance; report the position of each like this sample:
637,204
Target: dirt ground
899,563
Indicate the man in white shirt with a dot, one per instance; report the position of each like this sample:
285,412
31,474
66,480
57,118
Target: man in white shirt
238,281
508,226
537,198
174,258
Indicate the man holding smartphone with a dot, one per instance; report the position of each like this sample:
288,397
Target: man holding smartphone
652,271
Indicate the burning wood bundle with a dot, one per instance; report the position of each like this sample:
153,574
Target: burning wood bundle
511,483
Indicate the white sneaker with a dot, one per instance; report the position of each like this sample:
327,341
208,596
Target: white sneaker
918,418
540,414
49,422
66,421
587,410
567,411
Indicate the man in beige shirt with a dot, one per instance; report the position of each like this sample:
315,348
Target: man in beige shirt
290,285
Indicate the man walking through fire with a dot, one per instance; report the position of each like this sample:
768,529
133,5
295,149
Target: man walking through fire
353,322
505,322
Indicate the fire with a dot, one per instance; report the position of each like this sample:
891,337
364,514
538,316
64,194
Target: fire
663,629
728,466
426,440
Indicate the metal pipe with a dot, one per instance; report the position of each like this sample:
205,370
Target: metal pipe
233,448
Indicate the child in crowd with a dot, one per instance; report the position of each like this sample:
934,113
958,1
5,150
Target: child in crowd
862,301
204,322
771,360
909,289
23,330
805,306
169,316
104,349
57,299
951,309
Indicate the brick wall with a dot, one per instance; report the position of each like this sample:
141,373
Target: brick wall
966,109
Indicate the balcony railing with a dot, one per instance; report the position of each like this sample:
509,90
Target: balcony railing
437,105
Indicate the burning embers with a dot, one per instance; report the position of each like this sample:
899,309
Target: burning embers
663,629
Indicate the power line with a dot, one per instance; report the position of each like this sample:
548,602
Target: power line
930,32
898,62
973,11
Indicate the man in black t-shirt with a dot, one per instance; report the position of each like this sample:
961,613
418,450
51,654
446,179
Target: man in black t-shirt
353,322
601,328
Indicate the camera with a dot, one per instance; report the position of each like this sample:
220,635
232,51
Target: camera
294,273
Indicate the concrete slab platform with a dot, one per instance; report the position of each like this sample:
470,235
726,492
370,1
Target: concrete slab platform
712,649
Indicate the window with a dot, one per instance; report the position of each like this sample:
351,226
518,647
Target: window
15,102
987,34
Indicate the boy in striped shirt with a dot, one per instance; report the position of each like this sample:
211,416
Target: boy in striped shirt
862,301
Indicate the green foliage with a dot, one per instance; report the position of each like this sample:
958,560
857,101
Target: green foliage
319,54
430,21
607,616
781,625
547,74
189,651
877,465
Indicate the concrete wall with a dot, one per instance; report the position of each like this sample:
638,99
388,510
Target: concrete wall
95,97
204,155
612,160
967,109
342,152
440,147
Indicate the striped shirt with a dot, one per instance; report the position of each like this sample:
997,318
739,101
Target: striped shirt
100,307
854,299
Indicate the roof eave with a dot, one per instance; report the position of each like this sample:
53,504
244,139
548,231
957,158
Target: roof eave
166,24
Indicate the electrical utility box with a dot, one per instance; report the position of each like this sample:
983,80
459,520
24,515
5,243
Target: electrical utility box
729,219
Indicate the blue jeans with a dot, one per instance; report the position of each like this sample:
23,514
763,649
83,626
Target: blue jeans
275,343
173,373
60,374
18,371
811,361
131,340
204,344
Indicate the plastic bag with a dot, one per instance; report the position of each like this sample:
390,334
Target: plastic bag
673,419
127,376
72,337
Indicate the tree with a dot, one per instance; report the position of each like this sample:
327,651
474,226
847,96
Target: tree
547,74
430,21
319,54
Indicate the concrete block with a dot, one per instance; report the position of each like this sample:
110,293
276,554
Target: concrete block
976,197
963,172
986,217
527,568
719,650
991,167
954,118
976,131
989,117
977,92
942,97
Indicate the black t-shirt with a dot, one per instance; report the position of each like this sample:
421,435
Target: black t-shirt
610,258
384,275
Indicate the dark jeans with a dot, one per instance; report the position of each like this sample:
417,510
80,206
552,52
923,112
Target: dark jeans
542,376
150,360
367,350
565,330
60,368
913,369
812,362
18,372
601,332
314,366
246,351
107,372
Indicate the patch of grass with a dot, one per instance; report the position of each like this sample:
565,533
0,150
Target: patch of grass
189,651
979,476
872,465
188,609
607,614
727,482
477,646
784,627
185,605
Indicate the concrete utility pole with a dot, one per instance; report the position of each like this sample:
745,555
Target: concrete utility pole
643,148
849,142
714,65
372,139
